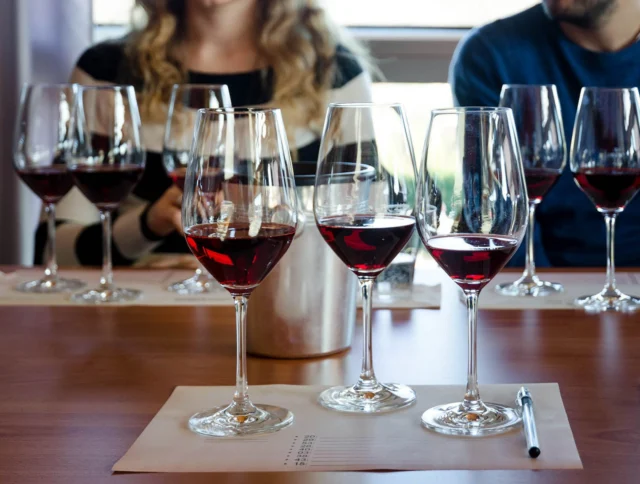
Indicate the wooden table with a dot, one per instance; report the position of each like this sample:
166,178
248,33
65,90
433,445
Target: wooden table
79,384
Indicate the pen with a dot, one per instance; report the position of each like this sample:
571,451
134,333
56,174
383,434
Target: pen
525,402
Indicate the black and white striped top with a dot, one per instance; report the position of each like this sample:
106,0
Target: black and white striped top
79,233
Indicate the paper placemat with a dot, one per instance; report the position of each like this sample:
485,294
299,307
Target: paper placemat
323,440
153,284
575,284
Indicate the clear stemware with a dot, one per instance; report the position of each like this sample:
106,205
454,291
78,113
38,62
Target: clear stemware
239,215
471,214
363,205
538,119
186,100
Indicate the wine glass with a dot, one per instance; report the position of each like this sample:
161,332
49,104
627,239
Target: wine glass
106,161
239,215
536,110
605,161
185,101
363,205
471,215
40,146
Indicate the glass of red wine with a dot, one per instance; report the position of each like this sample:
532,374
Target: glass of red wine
186,100
536,111
605,161
239,214
472,208
363,205
40,147
106,161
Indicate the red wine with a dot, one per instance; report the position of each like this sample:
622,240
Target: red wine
472,260
50,183
366,244
177,176
539,182
236,259
610,189
106,185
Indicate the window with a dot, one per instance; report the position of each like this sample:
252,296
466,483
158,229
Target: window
423,13
371,13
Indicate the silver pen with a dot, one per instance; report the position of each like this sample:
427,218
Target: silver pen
525,402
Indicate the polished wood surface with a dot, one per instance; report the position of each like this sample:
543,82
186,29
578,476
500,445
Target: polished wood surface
79,384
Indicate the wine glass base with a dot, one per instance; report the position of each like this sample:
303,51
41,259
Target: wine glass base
608,301
453,419
50,286
106,296
219,422
381,398
195,285
529,288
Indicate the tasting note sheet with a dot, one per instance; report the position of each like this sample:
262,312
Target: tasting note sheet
322,440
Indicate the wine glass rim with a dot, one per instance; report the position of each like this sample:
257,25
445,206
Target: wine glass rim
527,86
609,89
105,87
200,86
366,105
50,85
359,168
242,110
471,109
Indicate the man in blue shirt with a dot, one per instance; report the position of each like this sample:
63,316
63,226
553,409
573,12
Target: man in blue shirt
569,43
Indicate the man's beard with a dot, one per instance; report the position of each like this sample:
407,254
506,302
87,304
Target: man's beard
589,13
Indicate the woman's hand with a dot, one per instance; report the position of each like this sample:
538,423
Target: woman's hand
164,216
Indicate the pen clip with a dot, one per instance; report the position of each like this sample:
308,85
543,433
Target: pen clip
522,394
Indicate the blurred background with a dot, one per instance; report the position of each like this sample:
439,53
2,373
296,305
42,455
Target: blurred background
40,40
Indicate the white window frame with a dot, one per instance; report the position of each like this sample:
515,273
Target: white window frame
411,54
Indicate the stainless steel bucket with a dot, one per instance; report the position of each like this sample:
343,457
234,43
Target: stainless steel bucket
306,307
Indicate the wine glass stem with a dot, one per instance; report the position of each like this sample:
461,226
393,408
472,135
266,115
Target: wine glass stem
472,395
51,271
610,220
367,380
106,281
530,265
241,403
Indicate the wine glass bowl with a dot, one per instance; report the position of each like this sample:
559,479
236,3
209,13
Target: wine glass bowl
605,161
239,215
363,206
185,101
538,121
41,144
471,211
106,161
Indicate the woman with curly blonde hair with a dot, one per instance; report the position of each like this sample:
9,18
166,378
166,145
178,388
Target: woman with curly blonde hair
282,53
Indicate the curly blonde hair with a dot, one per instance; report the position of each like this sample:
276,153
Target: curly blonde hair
297,40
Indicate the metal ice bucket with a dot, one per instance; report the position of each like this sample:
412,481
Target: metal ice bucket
307,306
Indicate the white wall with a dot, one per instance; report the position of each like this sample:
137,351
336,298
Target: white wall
39,42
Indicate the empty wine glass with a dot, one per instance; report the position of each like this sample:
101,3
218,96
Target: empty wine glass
471,214
363,204
605,161
536,110
106,161
186,100
239,215
40,146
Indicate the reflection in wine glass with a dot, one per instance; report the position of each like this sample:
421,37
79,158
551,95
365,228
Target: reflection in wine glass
471,214
186,100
